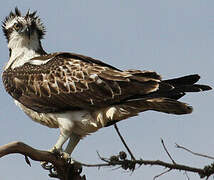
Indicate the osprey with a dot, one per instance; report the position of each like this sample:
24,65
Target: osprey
79,94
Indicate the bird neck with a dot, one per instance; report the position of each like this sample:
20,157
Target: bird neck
22,50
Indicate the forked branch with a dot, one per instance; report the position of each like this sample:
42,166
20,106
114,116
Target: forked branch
63,170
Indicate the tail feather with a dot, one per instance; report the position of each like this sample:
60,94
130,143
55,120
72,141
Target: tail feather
134,107
179,87
174,88
163,100
165,105
194,88
185,80
187,83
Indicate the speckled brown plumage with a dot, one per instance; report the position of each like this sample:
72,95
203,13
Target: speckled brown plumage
71,81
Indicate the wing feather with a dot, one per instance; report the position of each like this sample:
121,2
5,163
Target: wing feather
70,81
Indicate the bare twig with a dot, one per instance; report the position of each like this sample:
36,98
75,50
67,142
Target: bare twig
162,142
157,176
186,175
123,141
194,153
207,171
27,161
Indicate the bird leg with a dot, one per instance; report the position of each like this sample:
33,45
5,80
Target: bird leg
61,140
57,149
73,141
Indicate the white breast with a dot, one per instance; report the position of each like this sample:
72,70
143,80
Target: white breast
22,49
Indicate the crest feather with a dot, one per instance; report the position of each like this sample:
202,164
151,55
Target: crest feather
17,12
30,17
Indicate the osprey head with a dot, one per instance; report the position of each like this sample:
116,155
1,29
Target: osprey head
22,27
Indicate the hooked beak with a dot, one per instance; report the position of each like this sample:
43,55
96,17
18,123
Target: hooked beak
27,31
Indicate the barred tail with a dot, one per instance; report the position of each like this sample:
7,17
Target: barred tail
133,107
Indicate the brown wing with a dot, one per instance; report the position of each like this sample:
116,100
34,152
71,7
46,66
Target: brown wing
68,81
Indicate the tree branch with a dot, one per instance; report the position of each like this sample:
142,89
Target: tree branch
207,171
63,169
140,162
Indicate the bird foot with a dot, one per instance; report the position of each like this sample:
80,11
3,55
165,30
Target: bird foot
60,154
64,155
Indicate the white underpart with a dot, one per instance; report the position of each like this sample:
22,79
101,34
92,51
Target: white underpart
80,122
47,119
23,49
75,125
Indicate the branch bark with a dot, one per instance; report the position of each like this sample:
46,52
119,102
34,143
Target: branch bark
65,171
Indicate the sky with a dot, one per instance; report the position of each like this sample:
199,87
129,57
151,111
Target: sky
173,38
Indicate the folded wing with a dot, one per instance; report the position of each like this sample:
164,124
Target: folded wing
64,81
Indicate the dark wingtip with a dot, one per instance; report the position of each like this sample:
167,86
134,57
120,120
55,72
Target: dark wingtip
204,87
209,88
196,76
185,80
192,78
189,109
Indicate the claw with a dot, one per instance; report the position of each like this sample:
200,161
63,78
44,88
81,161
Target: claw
78,167
60,153
65,155
53,172
56,151
46,165
69,160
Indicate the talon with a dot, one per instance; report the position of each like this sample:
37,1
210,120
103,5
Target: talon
69,160
53,173
72,161
65,155
46,166
78,167
55,151
60,153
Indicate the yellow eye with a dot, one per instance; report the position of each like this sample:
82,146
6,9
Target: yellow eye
17,26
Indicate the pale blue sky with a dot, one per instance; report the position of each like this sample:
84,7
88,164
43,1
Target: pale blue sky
174,38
